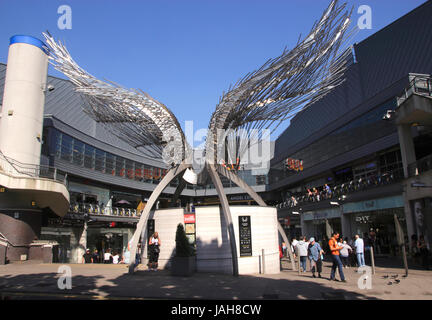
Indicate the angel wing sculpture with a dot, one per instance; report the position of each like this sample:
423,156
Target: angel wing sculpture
261,100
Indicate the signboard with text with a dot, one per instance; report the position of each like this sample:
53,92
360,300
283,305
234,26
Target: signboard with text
245,236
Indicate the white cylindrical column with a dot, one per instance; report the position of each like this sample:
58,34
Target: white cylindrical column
21,120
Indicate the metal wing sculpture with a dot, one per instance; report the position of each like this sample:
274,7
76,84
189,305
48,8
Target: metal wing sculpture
261,100
131,115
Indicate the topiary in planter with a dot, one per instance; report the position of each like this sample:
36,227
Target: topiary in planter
183,248
183,263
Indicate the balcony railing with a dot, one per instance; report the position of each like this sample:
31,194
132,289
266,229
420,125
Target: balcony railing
83,208
340,191
420,84
420,166
16,168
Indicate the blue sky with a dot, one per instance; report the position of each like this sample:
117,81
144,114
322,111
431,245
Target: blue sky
184,53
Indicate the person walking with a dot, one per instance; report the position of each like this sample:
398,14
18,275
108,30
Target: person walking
302,250
334,248
315,253
116,258
154,247
344,253
284,249
107,256
87,257
294,246
424,252
95,256
359,249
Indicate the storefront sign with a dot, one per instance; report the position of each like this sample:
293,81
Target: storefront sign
245,236
189,218
322,214
363,219
376,204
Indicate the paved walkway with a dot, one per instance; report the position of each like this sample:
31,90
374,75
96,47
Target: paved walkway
23,280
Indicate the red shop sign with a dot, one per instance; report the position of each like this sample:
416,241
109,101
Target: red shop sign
189,218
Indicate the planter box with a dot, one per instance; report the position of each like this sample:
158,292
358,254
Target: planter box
183,266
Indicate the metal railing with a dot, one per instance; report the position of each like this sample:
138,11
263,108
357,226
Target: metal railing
420,84
82,208
341,190
420,166
14,167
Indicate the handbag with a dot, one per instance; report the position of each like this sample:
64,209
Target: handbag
156,249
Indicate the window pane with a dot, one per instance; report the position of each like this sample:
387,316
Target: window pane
129,169
100,161
66,147
77,153
120,169
109,164
89,156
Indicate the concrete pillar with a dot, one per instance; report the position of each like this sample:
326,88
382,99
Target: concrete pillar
407,146
21,120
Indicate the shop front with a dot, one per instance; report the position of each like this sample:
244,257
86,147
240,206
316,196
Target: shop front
374,221
115,239
321,223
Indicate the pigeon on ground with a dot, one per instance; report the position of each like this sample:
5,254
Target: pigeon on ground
390,283
386,276
397,281
395,276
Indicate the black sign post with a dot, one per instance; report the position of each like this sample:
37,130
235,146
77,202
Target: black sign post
245,236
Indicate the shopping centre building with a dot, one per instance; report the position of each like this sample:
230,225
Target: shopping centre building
348,141
352,176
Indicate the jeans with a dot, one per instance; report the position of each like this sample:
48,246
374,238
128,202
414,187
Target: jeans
316,265
360,259
337,263
303,263
345,261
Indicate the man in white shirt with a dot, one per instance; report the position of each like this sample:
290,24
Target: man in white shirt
359,246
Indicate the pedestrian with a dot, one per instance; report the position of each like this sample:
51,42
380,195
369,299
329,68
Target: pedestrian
315,253
284,249
293,246
95,256
337,263
344,253
116,258
154,246
107,256
359,248
302,250
414,248
87,257
424,252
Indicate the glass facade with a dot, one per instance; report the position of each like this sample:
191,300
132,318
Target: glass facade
65,147
364,129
